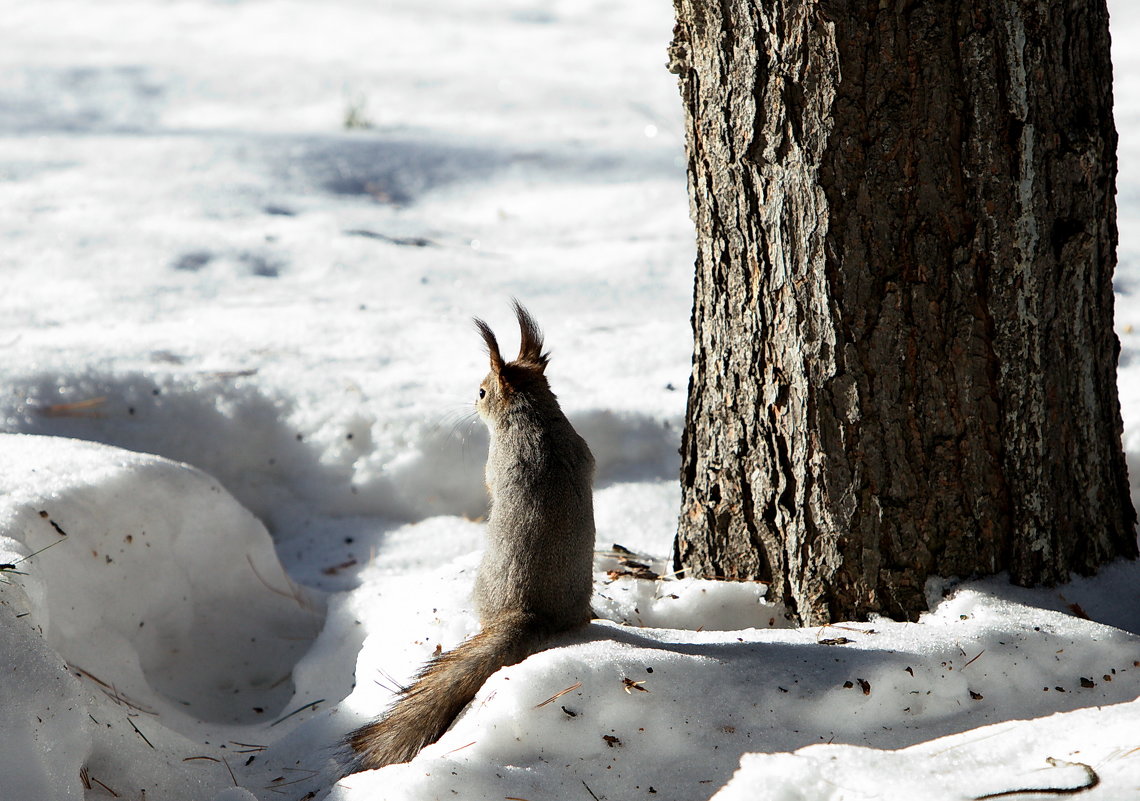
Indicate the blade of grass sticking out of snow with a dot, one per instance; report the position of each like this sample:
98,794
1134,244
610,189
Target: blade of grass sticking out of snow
139,733
558,695
83,408
10,567
294,591
975,659
311,704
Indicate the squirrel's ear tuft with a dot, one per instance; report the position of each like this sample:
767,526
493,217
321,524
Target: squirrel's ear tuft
492,344
530,349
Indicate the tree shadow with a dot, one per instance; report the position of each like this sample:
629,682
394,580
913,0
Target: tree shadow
705,704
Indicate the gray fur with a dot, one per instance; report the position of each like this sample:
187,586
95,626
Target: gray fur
535,579
540,533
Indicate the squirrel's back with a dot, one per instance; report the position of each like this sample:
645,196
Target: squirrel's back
535,580
540,531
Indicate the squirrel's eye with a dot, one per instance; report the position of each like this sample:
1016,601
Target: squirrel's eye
482,393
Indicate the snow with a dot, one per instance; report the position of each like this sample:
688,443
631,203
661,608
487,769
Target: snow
241,477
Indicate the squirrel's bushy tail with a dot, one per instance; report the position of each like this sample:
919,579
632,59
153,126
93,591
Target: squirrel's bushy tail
444,686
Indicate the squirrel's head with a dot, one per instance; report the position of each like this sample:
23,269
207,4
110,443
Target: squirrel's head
507,380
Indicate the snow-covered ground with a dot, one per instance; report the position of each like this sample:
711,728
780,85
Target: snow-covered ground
248,237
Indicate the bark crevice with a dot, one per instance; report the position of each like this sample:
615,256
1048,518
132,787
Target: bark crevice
904,362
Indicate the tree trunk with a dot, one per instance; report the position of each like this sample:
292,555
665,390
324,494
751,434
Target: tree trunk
904,361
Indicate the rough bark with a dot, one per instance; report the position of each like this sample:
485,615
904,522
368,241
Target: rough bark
904,361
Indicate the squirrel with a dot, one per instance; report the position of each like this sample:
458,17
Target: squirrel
535,579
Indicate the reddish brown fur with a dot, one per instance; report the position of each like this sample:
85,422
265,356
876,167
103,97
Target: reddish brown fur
529,365
425,710
492,345
530,346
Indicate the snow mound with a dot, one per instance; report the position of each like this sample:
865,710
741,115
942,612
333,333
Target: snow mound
157,606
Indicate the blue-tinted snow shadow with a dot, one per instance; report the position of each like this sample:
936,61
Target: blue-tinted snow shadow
230,427
43,99
399,167
215,422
